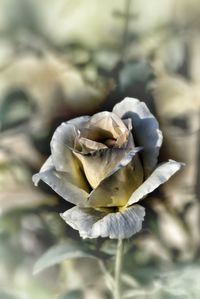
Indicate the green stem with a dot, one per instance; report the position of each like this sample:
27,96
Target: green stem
118,269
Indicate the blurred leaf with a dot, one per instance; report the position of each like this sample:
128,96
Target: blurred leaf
106,59
182,283
23,149
129,280
61,252
76,294
15,109
4,294
17,190
135,294
109,247
134,73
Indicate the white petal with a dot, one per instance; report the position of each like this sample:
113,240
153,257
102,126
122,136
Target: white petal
48,164
63,139
79,121
93,224
61,183
82,219
160,175
145,129
62,144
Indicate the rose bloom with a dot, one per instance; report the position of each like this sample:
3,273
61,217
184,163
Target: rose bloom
105,164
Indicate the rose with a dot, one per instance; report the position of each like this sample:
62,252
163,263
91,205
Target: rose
105,164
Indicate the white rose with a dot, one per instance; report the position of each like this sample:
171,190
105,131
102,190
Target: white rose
104,164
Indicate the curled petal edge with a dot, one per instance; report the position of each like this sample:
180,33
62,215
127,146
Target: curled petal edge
159,176
61,183
145,129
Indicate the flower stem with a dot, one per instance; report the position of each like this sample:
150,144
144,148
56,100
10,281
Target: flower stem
118,268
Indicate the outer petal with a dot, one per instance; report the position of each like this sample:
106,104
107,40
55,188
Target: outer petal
119,184
61,183
145,129
93,224
160,175
61,144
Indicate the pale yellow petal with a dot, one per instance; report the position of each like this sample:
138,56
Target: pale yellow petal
90,145
116,189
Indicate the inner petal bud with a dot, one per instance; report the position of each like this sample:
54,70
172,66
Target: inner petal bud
109,122
101,144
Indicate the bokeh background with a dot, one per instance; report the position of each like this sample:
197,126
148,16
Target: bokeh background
63,58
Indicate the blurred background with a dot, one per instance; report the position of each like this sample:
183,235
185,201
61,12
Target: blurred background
60,59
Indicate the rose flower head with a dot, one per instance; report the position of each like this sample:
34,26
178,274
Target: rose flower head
105,164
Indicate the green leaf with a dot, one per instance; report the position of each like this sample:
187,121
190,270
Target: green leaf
134,73
16,108
75,294
61,252
4,294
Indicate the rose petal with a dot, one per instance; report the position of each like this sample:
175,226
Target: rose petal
160,175
125,160
78,122
93,224
92,139
145,129
61,183
89,146
62,144
112,123
94,133
99,164
119,184
63,139
128,123
47,164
